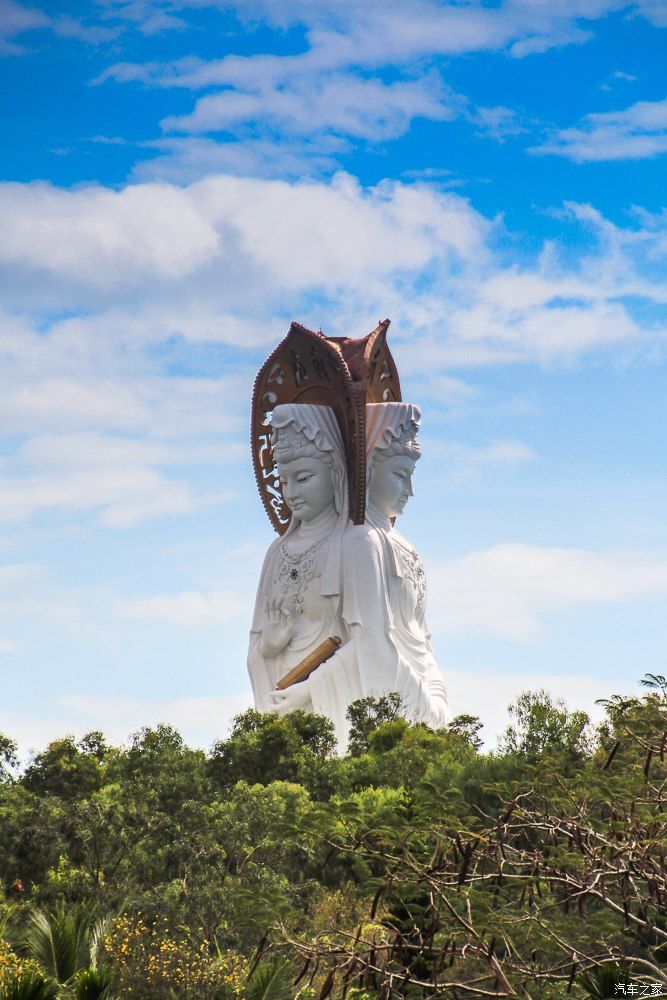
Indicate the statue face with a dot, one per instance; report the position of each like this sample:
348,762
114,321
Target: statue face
391,484
307,487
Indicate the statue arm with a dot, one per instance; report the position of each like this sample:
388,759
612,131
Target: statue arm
260,666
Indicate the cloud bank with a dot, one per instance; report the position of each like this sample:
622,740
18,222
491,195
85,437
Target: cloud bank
111,295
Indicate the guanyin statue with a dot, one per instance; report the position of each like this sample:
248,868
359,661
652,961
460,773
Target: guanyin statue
340,571
392,450
299,599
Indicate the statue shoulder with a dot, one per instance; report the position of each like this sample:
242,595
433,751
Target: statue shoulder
272,551
362,538
360,534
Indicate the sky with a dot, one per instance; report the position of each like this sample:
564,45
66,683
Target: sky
179,180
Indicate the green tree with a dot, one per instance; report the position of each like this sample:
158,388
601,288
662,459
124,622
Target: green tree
262,748
66,768
63,942
28,985
8,757
542,724
366,714
469,727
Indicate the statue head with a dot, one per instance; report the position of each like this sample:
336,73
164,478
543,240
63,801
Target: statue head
309,454
392,451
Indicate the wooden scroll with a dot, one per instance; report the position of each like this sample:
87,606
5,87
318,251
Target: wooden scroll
310,663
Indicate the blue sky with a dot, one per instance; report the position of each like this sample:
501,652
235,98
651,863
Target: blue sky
181,179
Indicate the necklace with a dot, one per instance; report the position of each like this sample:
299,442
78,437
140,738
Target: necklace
295,571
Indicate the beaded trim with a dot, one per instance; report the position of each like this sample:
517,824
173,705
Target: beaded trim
295,572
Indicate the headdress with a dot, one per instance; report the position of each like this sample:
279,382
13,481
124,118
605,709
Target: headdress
301,429
392,429
336,372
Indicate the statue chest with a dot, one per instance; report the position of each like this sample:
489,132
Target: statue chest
297,579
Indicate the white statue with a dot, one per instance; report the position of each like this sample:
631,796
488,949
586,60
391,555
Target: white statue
327,577
299,595
392,450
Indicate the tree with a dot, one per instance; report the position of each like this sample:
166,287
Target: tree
263,748
541,724
28,985
366,714
566,877
8,757
468,726
65,946
64,769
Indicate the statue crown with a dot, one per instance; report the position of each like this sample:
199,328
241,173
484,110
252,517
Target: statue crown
406,442
289,443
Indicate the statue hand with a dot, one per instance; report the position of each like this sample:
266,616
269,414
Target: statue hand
294,697
277,629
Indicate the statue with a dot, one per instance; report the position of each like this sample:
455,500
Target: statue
392,451
298,599
339,613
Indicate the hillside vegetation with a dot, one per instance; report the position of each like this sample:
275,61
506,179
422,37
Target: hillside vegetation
415,866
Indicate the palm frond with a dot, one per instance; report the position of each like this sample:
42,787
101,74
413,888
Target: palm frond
29,986
94,984
61,942
602,982
271,981
52,944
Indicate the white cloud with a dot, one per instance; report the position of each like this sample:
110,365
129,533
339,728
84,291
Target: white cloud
344,104
488,695
463,461
510,589
204,719
183,159
13,574
112,476
200,720
123,498
222,231
382,32
29,594
201,279
635,133
654,11
14,20
191,609
498,123
94,34
102,238
336,86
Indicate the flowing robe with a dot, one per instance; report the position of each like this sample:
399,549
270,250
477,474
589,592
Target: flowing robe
375,602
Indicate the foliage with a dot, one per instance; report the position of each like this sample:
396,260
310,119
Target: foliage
415,866
271,981
28,986
63,942
469,727
264,747
543,725
94,984
366,714
8,757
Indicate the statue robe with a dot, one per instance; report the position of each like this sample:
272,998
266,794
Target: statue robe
376,606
